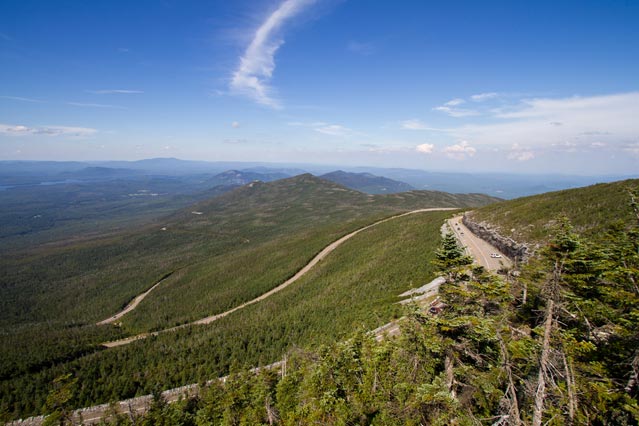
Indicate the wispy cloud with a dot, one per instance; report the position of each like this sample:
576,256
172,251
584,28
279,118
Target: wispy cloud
253,75
519,153
480,97
21,99
455,102
364,49
413,124
19,130
235,124
91,105
416,124
574,123
326,128
334,130
460,150
114,92
456,112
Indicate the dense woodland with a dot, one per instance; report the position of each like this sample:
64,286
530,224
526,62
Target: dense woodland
555,343
558,344
356,287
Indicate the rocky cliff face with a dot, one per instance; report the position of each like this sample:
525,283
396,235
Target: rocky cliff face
512,249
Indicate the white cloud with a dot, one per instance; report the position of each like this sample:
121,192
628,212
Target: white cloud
455,102
235,124
333,130
413,124
21,99
480,97
258,62
114,92
607,119
19,130
425,148
460,150
456,112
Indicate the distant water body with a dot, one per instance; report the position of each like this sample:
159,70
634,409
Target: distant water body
46,183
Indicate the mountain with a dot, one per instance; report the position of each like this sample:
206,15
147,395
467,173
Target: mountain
211,256
366,182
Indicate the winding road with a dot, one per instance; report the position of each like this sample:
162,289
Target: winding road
321,255
134,303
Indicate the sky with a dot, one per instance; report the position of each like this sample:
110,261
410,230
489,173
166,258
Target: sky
483,86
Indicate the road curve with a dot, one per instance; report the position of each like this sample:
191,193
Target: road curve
321,255
134,303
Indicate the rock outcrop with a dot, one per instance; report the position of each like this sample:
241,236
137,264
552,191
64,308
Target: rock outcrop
514,250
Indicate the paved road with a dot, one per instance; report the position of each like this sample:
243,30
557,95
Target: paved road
325,252
479,249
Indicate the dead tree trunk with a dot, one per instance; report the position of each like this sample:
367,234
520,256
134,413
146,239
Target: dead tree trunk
450,376
570,385
514,417
634,375
540,394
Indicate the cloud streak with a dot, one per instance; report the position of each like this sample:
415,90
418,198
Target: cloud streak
114,92
257,64
22,99
20,130
91,105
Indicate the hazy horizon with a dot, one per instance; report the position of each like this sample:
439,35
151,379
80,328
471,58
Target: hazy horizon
490,87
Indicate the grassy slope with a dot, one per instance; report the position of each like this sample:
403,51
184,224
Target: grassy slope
590,210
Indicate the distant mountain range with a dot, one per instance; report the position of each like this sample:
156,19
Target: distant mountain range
367,179
367,182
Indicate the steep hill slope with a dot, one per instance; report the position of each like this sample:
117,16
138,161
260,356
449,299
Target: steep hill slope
590,210
366,182
556,343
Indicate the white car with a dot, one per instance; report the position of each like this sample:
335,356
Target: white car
495,255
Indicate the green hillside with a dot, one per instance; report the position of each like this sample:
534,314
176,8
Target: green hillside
219,253
590,210
556,343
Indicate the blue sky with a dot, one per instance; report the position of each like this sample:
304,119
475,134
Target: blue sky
524,86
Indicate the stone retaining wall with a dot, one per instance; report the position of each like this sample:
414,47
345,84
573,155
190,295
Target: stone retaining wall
515,251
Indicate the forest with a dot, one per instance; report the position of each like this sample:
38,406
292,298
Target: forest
556,344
